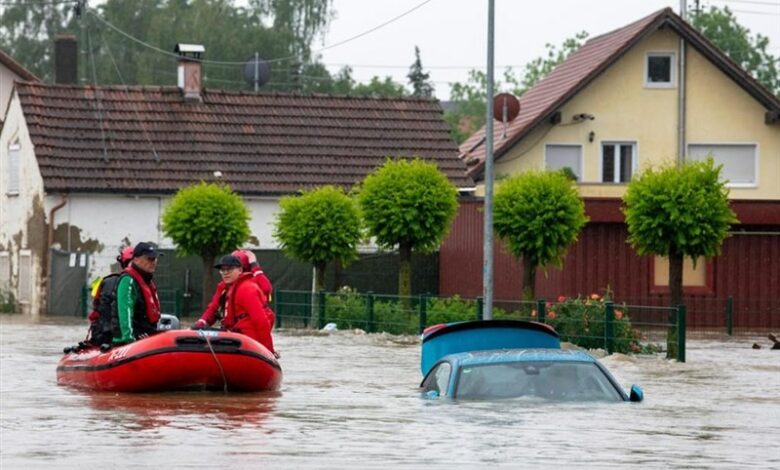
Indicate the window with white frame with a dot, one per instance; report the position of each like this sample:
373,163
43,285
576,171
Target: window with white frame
12,178
740,161
559,156
618,161
660,70
25,276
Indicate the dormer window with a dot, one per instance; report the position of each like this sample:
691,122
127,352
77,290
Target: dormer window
660,70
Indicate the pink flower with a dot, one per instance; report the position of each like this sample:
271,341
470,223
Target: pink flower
533,313
548,305
594,296
551,315
618,314
561,298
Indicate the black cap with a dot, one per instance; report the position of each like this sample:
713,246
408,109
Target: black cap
229,260
145,249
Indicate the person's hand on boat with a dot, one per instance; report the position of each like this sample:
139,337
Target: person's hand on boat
198,325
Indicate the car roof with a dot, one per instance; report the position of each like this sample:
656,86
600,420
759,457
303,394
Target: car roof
497,356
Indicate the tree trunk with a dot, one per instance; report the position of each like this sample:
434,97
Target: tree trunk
529,279
405,275
319,276
209,284
675,299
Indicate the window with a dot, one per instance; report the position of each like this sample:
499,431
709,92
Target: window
617,161
438,380
13,168
557,157
740,161
696,280
25,276
660,70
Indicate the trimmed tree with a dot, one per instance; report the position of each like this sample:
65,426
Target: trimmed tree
208,220
409,204
317,227
538,215
678,211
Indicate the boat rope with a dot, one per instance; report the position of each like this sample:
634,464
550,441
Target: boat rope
219,364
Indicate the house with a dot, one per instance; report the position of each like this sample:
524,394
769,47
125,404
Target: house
10,71
641,95
94,167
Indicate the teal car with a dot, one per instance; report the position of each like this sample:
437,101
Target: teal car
490,360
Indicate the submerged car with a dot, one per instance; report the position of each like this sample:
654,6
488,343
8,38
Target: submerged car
486,360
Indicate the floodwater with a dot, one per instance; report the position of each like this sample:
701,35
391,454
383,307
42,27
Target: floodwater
350,400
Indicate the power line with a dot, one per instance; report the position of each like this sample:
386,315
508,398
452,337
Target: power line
281,59
751,12
27,3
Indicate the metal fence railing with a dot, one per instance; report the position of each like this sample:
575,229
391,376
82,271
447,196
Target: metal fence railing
587,322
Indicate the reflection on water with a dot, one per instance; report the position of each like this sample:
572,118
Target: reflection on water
350,400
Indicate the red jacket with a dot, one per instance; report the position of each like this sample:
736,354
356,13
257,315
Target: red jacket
212,313
245,311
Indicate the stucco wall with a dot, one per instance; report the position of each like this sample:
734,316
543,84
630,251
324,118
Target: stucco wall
22,218
718,111
102,224
7,78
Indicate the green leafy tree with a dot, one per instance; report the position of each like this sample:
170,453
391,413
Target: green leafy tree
317,227
208,220
232,34
419,79
409,204
678,211
538,215
467,115
720,26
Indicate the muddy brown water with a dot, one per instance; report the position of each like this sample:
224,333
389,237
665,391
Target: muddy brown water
350,400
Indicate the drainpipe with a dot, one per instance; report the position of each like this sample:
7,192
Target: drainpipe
681,94
50,240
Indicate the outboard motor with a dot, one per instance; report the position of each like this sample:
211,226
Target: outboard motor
167,322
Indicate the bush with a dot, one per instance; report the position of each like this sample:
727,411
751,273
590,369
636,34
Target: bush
7,302
582,321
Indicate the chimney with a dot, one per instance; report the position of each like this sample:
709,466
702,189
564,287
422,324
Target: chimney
66,59
189,71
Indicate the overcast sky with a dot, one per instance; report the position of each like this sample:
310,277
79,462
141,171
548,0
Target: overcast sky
452,34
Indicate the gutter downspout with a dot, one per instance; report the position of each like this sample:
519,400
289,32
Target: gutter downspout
49,242
681,94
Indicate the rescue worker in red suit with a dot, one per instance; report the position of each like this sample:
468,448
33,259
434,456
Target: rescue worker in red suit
248,264
241,303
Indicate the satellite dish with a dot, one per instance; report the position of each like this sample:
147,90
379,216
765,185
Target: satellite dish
505,107
257,72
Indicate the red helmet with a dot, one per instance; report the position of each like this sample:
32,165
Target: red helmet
125,256
241,255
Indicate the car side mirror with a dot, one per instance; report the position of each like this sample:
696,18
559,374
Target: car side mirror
636,393
431,394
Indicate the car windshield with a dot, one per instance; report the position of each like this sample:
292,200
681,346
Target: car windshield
563,381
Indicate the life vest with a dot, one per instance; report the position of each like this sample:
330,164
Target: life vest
103,322
149,294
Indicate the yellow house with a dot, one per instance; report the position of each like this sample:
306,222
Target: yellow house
652,91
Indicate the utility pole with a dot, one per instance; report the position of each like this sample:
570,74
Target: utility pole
487,262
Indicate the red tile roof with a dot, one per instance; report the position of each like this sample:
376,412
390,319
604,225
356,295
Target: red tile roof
541,102
17,68
148,140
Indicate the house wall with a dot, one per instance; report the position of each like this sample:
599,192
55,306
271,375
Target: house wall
22,214
103,224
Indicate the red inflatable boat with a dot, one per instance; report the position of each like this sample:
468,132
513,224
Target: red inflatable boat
175,360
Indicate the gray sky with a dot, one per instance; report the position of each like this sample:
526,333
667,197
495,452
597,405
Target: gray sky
452,34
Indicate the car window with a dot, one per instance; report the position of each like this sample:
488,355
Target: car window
438,379
565,381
